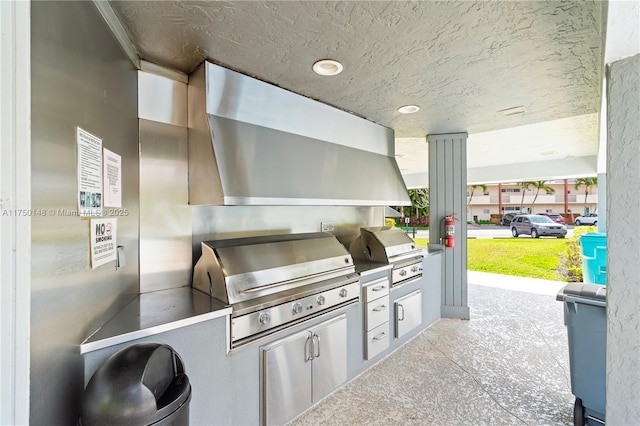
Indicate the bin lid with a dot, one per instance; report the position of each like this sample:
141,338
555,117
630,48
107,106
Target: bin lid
587,291
599,236
139,385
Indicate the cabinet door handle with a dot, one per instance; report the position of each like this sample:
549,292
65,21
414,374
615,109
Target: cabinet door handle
380,336
379,288
317,353
308,344
379,308
400,308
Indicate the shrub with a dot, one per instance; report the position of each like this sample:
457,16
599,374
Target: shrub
419,221
389,222
571,261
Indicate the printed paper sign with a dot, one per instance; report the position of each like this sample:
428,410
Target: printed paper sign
103,241
112,175
89,174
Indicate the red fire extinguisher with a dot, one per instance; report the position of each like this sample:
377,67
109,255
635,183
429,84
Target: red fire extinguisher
450,231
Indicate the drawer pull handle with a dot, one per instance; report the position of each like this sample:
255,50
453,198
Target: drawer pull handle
380,336
379,308
379,288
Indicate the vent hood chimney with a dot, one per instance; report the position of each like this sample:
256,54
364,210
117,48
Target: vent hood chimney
252,143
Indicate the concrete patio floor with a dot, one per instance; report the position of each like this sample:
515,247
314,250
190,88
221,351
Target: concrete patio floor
508,365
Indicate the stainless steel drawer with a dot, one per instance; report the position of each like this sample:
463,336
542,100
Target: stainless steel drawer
376,340
377,313
376,289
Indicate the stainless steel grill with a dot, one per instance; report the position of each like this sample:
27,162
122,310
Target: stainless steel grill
391,246
272,282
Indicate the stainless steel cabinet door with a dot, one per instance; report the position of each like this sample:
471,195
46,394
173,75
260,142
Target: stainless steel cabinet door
287,378
408,312
330,356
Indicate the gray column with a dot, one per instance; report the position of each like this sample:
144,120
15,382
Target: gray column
623,242
447,195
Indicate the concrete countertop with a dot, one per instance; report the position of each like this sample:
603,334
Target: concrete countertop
153,313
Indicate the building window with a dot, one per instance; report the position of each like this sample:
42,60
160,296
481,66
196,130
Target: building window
485,211
510,189
485,193
511,209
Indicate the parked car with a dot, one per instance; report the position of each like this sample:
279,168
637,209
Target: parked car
587,219
507,218
555,217
537,225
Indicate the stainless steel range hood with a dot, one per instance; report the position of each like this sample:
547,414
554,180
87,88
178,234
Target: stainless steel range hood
252,143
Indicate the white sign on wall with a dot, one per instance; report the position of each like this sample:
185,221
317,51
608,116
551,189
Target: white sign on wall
89,174
112,178
103,241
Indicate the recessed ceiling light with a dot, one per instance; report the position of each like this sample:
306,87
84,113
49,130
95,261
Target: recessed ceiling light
547,152
513,111
327,67
408,109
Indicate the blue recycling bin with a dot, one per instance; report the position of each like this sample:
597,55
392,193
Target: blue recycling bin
594,257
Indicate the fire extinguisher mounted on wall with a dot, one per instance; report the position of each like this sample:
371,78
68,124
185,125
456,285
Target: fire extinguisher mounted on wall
450,230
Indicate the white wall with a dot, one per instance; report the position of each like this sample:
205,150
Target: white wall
623,239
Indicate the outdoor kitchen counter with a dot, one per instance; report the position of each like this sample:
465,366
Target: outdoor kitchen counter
366,267
154,313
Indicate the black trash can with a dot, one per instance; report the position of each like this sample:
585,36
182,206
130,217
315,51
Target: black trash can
143,384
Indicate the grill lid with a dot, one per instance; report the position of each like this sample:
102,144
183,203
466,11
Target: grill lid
242,269
384,244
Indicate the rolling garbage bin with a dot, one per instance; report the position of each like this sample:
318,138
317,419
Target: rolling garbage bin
594,257
143,384
585,318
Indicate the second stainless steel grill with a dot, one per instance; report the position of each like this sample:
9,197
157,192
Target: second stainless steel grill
275,281
392,246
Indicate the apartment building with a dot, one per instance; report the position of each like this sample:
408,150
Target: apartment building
513,197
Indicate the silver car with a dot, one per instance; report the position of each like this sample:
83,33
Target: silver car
537,226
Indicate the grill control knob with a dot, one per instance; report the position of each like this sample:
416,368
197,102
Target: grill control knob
320,300
297,308
403,272
414,269
264,318
343,292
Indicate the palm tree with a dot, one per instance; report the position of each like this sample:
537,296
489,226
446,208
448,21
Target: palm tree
538,185
588,184
473,189
524,185
419,201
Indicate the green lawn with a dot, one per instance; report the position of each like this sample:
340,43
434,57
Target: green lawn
522,257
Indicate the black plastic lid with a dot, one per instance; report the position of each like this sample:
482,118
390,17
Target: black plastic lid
139,385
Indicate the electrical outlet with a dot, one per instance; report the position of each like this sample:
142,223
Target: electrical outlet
326,226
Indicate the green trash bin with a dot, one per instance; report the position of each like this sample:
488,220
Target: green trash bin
594,257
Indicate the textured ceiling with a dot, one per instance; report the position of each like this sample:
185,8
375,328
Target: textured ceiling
461,61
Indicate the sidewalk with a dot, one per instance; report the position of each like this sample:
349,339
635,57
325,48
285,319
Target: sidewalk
508,282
